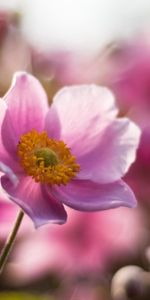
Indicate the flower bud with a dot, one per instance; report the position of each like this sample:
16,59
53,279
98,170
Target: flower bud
130,282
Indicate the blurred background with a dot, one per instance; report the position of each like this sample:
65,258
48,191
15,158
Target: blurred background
94,256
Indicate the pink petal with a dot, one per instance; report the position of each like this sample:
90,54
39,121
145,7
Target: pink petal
9,173
83,116
27,107
35,200
3,152
79,113
90,196
115,152
7,161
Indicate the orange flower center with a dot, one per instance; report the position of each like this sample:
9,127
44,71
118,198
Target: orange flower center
46,160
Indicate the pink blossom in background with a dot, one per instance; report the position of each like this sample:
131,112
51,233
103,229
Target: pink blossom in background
84,117
139,174
70,68
8,21
130,76
14,51
90,241
85,246
4,24
58,69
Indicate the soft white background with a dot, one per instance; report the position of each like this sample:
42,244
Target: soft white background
83,25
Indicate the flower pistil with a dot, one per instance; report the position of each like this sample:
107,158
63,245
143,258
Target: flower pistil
46,160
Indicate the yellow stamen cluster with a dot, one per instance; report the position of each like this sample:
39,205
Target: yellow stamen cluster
46,160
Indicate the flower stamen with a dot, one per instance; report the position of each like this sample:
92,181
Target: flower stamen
46,160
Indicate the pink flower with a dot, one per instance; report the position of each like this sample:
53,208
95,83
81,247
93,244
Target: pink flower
73,153
85,246
130,73
15,53
139,175
68,68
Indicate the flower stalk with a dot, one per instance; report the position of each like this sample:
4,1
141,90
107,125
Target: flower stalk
10,241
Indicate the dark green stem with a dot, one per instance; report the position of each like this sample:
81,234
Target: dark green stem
10,241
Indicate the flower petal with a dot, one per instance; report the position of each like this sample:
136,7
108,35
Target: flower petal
6,158
80,112
115,152
83,116
9,173
3,152
27,106
90,196
35,200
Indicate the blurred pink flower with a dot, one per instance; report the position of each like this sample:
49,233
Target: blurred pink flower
57,69
88,242
14,51
139,174
41,174
85,246
68,67
4,24
130,73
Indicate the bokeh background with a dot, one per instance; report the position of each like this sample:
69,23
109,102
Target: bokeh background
74,42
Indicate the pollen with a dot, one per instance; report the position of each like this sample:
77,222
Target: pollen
46,160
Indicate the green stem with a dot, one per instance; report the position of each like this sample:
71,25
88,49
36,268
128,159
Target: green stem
10,241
